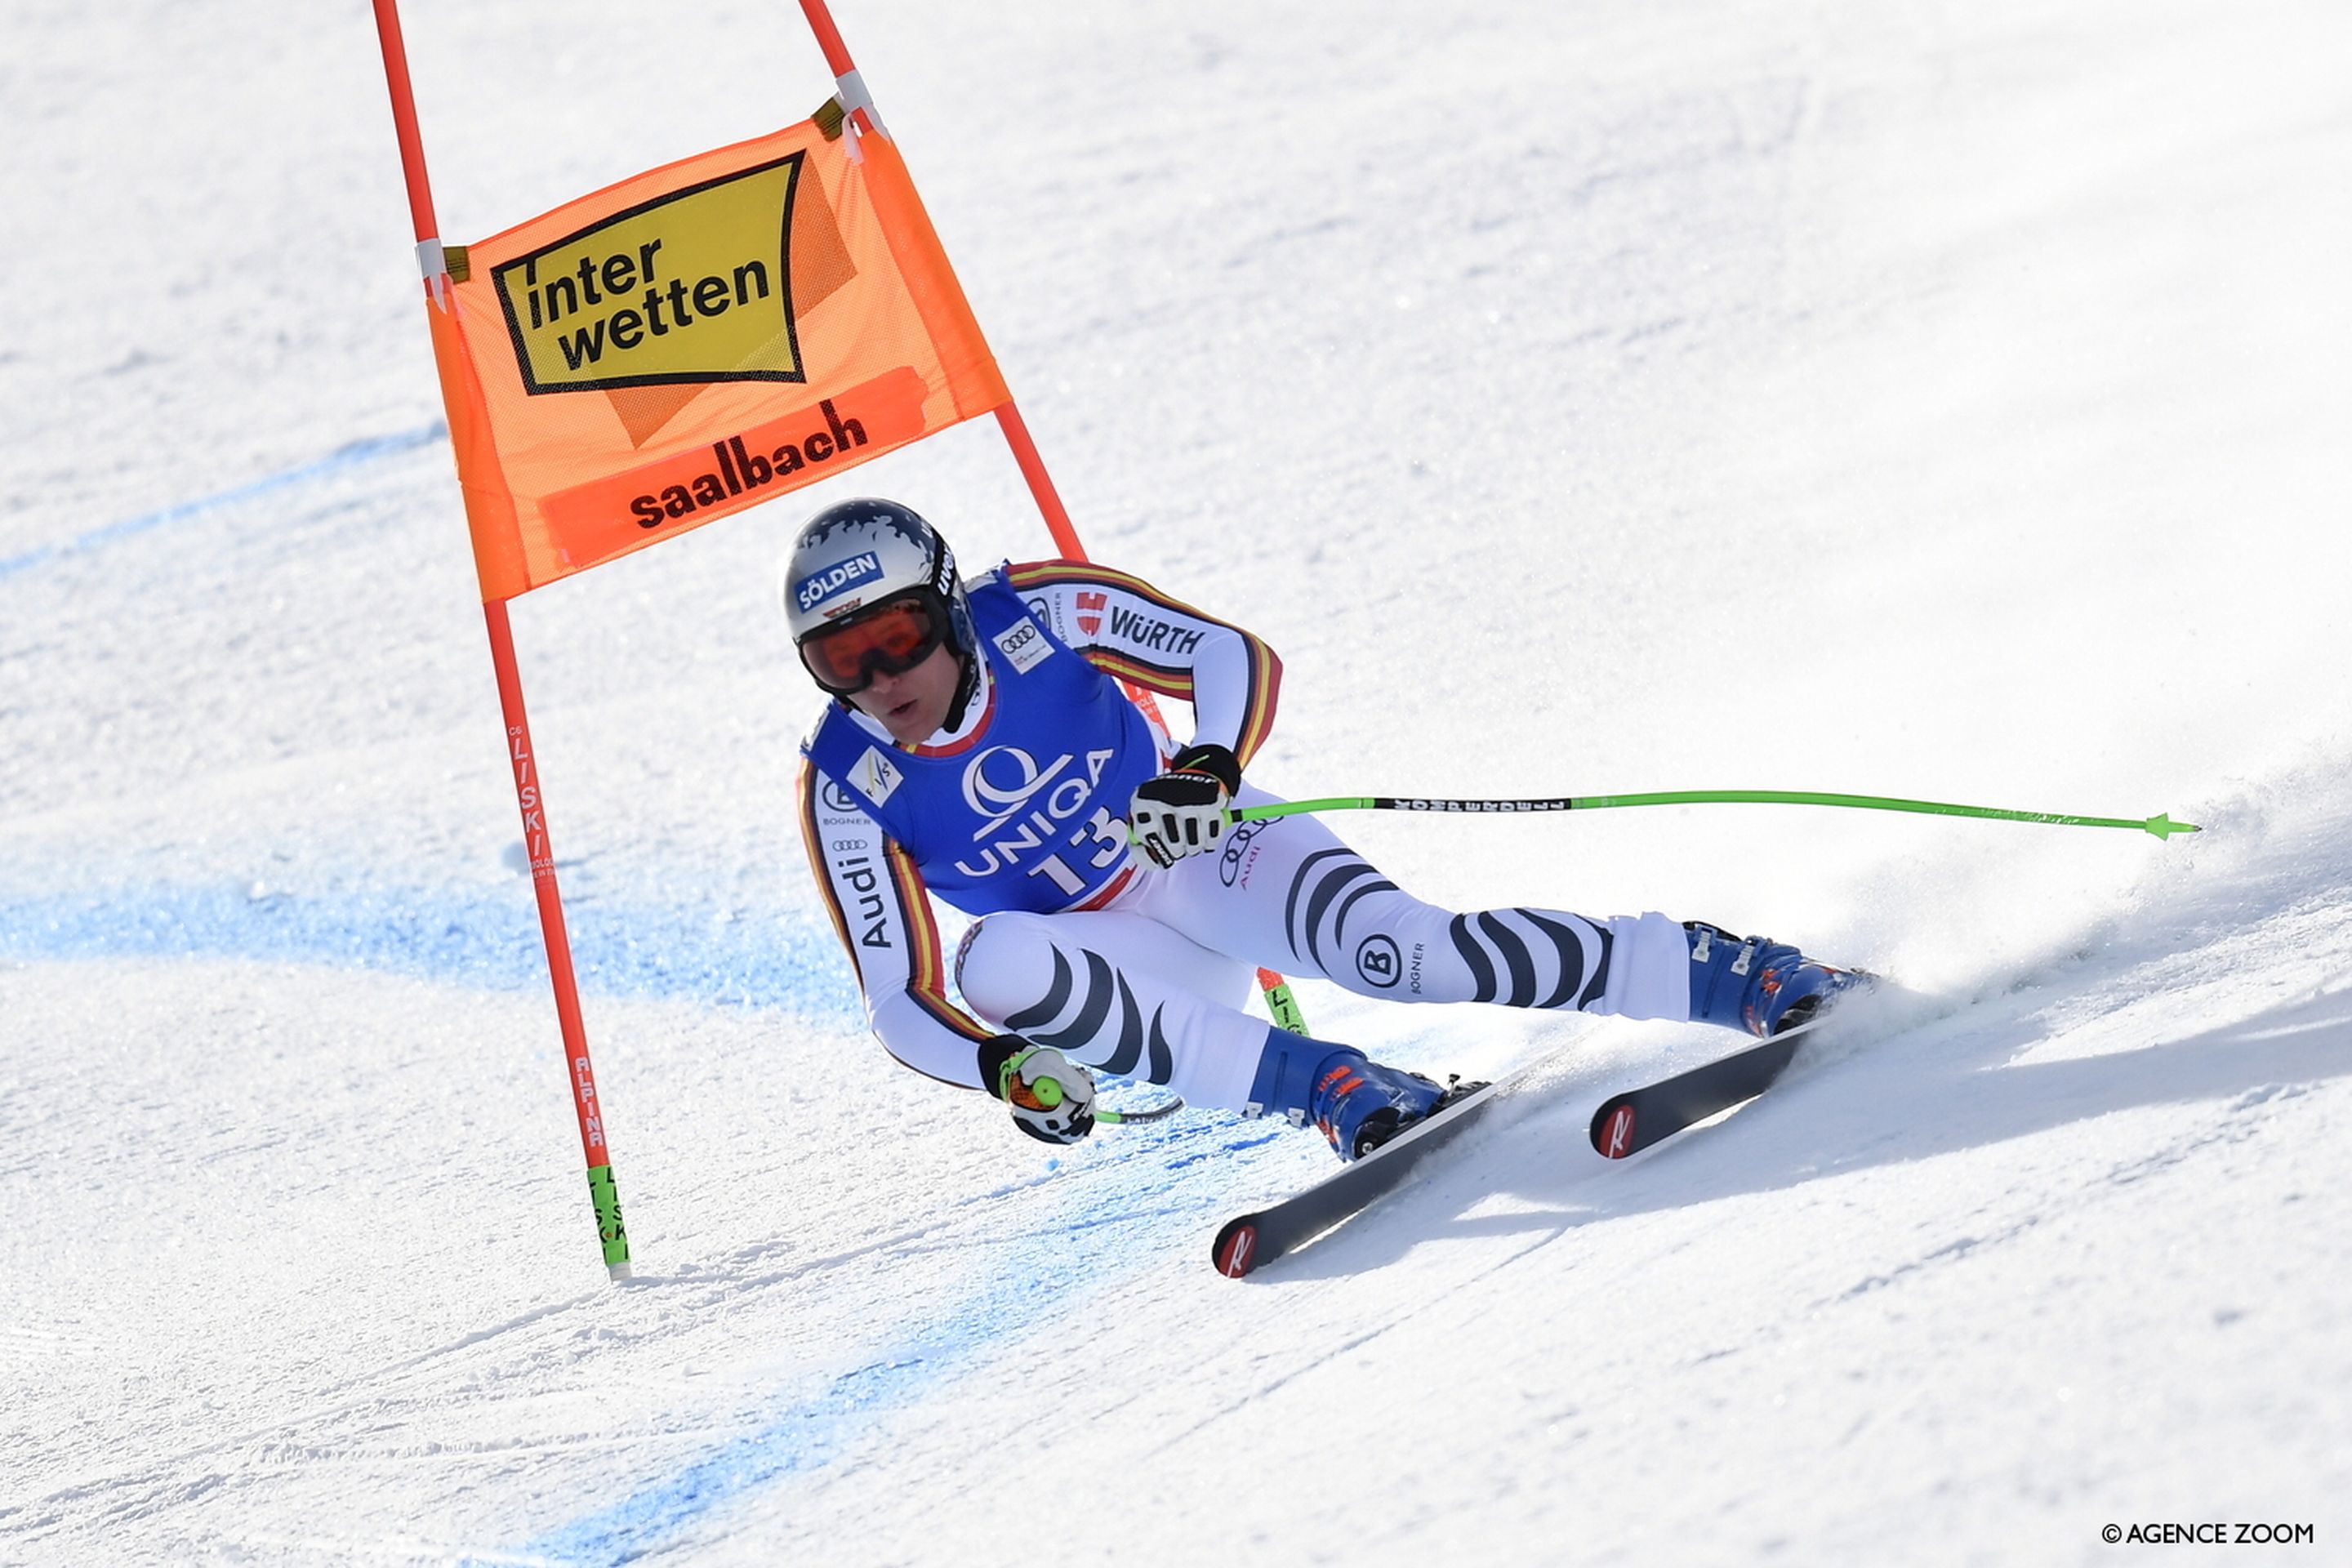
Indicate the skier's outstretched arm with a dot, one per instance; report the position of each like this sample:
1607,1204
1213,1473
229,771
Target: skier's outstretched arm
883,915
1127,629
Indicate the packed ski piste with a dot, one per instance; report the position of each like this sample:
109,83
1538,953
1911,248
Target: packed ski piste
978,748
1933,400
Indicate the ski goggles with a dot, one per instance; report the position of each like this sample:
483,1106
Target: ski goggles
888,641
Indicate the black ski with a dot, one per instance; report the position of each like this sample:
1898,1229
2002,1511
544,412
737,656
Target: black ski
1247,1241
1630,1122
1625,1124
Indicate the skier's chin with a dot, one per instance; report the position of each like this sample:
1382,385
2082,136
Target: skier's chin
907,723
913,704
910,714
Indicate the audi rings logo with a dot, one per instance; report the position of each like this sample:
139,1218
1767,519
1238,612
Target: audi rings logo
999,784
1237,843
1378,960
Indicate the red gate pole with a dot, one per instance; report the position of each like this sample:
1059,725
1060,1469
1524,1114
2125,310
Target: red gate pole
857,105
579,1075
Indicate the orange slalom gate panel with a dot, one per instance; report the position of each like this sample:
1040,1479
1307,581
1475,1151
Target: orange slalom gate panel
693,341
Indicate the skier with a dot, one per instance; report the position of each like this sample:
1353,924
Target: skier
978,749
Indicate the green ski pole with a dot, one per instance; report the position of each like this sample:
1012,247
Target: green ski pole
2160,824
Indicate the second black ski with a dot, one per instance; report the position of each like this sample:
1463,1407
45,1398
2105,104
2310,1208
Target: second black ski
1630,1122
1248,1240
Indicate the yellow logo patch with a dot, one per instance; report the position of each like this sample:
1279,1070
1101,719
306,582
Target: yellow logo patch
695,285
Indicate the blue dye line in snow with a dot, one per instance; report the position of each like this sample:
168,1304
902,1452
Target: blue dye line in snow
489,940
805,1438
345,457
1050,1270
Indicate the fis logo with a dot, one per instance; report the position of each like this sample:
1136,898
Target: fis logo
875,777
818,586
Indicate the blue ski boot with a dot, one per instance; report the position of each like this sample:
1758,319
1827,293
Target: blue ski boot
1356,1102
1756,983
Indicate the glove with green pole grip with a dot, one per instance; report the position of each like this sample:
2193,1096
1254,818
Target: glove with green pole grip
1052,1097
1186,810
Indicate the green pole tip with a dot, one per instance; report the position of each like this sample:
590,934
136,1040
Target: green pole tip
609,1228
2163,826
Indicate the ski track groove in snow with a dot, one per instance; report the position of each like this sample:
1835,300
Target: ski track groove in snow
352,455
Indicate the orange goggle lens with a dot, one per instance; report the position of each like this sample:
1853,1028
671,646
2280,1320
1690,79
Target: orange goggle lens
891,641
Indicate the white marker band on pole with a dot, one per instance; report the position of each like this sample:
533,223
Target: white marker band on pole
435,267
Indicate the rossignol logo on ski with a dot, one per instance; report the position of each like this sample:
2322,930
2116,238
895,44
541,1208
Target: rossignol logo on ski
1616,1137
693,286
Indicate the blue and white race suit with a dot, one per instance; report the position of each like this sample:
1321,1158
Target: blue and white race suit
1019,816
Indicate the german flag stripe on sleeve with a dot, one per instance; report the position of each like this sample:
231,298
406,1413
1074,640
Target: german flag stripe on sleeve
1159,677
1265,692
926,975
816,861
1264,668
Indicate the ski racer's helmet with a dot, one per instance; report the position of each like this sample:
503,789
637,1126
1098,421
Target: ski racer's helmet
868,586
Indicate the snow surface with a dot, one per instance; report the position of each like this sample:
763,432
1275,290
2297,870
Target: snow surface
1928,400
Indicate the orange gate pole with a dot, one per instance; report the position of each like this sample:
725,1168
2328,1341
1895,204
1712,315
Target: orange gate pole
579,1074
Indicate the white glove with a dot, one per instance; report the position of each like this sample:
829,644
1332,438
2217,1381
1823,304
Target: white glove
1052,1097
1187,810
